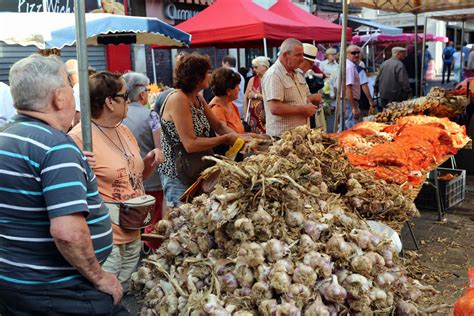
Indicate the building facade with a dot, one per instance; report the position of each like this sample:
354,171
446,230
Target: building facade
406,21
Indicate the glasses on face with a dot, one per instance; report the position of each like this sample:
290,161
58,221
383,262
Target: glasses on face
355,53
121,95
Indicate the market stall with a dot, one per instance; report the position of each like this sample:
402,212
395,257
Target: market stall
291,229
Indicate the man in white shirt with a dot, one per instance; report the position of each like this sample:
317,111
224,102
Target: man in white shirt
73,76
6,104
230,63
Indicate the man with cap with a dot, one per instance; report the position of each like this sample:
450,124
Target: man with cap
313,76
392,81
287,100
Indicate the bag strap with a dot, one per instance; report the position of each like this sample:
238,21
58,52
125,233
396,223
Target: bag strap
163,126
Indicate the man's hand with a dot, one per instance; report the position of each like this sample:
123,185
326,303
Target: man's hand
308,110
314,98
356,112
109,284
371,109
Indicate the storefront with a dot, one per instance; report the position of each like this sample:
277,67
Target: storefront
160,62
99,57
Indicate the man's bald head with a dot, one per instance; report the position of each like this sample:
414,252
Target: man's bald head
72,71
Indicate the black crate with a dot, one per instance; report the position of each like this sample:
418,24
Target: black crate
451,192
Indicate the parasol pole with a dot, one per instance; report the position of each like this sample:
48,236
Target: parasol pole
341,84
462,48
81,49
153,63
423,53
416,56
265,47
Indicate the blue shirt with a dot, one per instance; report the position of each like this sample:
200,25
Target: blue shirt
44,175
450,59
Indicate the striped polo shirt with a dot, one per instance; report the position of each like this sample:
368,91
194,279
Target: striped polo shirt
43,175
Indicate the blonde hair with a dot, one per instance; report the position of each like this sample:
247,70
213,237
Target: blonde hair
261,61
330,51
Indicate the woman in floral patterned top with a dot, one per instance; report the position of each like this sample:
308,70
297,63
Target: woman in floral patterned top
188,119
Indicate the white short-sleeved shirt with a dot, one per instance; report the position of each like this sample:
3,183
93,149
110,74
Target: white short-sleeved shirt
353,78
278,84
7,110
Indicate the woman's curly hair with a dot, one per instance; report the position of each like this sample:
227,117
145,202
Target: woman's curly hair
191,71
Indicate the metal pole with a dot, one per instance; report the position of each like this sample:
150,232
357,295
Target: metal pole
153,62
341,85
423,53
81,49
265,47
462,48
416,56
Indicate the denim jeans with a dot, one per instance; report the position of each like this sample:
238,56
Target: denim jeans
173,188
78,299
349,119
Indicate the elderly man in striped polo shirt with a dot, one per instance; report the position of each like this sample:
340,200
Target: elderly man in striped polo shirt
54,229
287,100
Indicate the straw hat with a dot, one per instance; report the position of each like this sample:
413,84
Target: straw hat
309,52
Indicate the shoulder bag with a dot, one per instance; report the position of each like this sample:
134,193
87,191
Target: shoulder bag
134,213
188,165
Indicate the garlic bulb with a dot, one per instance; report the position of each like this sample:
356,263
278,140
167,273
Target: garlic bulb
244,276
314,229
294,219
338,247
280,281
356,285
304,274
268,307
306,244
287,309
261,217
174,247
332,291
406,309
361,265
261,291
244,229
275,250
316,308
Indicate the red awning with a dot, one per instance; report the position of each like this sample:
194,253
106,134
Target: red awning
242,23
325,30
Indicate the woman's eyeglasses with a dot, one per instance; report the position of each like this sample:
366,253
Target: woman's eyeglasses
355,53
121,95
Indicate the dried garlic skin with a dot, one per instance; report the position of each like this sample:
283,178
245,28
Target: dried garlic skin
280,234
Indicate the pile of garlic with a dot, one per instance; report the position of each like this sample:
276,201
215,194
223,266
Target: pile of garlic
271,239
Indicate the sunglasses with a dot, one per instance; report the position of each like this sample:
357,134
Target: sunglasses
355,53
121,95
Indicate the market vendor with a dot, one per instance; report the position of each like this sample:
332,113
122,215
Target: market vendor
287,99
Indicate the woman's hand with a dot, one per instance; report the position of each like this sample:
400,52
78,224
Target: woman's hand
90,158
230,138
154,158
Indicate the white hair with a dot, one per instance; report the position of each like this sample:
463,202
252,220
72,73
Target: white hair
33,81
289,45
136,83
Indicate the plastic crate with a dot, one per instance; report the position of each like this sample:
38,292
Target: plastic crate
451,192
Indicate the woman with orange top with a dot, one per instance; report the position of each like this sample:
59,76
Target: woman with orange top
225,85
119,168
